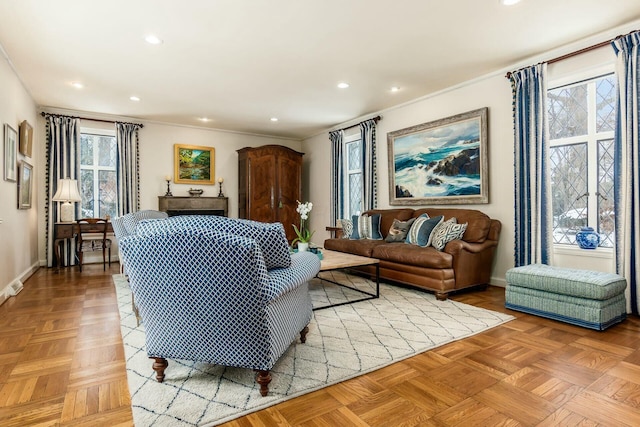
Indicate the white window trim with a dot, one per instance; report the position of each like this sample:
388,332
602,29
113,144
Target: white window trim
95,167
348,139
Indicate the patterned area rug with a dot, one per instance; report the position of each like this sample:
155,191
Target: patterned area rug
343,342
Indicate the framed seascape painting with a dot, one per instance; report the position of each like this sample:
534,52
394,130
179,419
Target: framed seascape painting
24,185
193,164
10,153
440,162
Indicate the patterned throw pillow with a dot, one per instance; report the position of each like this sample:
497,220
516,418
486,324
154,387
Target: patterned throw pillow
347,228
398,231
422,230
366,227
446,232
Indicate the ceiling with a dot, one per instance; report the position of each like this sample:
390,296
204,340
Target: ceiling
241,62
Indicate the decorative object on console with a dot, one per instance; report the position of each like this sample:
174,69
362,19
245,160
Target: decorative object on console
303,233
587,238
68,194
440,162
10,154
168,193
193,164
195,192
24,185
26,138
220,181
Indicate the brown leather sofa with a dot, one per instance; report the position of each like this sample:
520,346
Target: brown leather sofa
462,264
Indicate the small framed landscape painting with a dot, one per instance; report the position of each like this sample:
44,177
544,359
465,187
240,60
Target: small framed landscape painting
193,164
24,185
440,162
26,138
10,153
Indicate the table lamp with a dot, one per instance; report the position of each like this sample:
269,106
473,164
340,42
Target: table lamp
67,193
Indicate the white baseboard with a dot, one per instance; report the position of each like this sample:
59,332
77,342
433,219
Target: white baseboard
499,281
14,288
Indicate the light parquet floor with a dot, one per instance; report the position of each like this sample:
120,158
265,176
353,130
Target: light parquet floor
62,363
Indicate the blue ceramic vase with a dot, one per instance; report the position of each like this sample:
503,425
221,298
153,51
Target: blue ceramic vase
587,238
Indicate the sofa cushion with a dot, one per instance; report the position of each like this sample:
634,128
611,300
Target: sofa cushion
363,247
366,227
423,229
446,232
398,231
388,215
418,256
478,222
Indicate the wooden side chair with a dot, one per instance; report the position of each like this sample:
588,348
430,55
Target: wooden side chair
91,235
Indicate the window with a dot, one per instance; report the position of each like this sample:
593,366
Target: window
98,151
352,175
581,128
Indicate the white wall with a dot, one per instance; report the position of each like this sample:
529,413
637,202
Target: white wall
18,228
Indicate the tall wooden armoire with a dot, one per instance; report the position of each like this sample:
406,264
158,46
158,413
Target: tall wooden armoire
270,184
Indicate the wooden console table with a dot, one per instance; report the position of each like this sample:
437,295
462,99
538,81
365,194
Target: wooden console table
180,205
66,231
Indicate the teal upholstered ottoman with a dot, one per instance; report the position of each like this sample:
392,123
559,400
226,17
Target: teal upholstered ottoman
586,298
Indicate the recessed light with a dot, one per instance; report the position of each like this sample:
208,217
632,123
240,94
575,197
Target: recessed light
509,2
134,98
343,85
274,119
395,88
204,119
153,39
77,85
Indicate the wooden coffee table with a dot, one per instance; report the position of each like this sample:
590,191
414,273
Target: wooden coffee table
333,260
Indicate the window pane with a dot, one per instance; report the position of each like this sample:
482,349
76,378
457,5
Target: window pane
107,151
86,149
355,193
355,155
569,191
86,192
605,104
606,223
108,196
568,111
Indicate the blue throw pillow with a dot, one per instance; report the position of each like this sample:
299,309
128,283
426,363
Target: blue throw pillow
366,227
422,230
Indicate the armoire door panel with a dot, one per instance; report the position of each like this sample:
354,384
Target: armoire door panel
262,180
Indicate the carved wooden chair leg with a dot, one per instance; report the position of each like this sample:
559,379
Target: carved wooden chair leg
303,334
159,365
263,378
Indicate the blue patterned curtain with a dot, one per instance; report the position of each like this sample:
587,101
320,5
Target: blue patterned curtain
627,163
337,175
63,143
127,168
533,220
370,174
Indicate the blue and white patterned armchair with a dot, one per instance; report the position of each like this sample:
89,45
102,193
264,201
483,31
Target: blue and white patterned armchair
219,290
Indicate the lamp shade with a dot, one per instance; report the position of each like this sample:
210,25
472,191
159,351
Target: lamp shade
67,191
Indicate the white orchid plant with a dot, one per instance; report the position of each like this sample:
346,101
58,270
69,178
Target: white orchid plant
303,233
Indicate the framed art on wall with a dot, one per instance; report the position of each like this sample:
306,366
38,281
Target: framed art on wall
193,164
440,162
24,185
26,138
10,153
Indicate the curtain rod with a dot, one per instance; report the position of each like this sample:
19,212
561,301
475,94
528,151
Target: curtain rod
376,119
43,114
577,52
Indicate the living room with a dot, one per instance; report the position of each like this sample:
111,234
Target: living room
24,233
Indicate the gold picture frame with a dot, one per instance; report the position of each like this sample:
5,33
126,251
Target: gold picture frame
193,164
444,162
25,177
26,138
